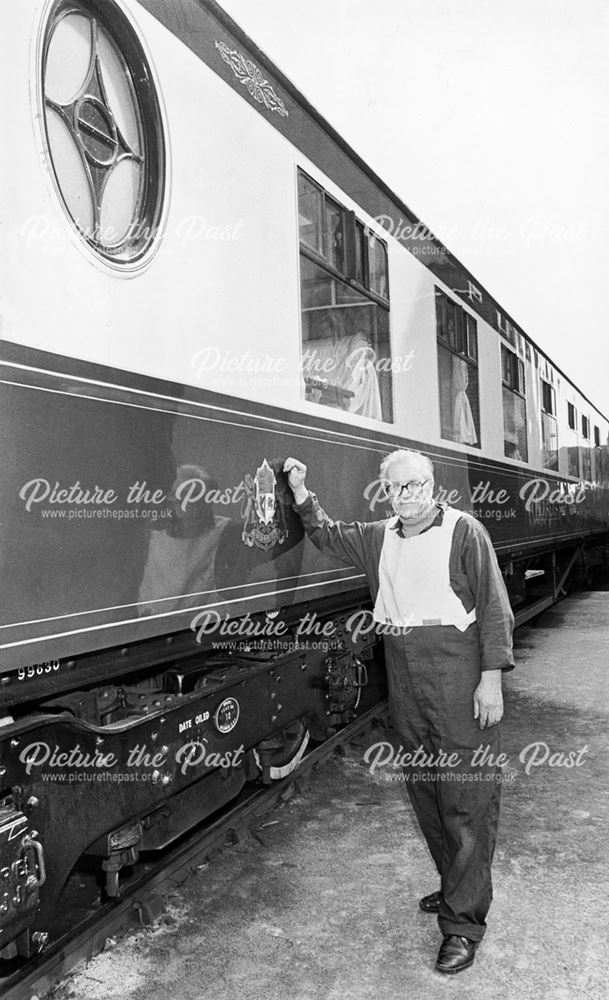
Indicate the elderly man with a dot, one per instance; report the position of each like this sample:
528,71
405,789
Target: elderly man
433,575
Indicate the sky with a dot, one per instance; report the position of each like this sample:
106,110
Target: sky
490,119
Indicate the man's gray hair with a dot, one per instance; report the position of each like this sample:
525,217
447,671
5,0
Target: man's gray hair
406,453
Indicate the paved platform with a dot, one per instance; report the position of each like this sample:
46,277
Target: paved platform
322,903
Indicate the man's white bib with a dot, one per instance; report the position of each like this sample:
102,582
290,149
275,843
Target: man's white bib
414,578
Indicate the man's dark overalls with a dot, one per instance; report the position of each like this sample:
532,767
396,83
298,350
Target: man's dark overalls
433,671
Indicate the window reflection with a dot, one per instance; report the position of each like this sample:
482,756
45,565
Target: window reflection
377,253
338,366
514,426
573,460
457,372
346,359
549,442
335,235
514,406
549,429
345,346
180,568
309,212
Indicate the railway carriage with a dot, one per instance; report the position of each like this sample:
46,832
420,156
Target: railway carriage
203,278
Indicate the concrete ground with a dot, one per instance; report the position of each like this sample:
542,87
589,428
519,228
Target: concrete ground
322,903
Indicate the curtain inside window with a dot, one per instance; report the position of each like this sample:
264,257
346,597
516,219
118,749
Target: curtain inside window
464,428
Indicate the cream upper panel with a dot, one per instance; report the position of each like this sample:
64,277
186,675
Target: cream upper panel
218,306
225,277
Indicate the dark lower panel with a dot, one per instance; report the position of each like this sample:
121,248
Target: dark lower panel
128,508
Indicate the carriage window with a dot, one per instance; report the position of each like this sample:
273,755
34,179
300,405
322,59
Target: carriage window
472,337
377,252
346,358
335,236
573,457
514,406
441,316
309,212
361,257
571,416
586,450
601,460
457,372
341,241
549,430
548,398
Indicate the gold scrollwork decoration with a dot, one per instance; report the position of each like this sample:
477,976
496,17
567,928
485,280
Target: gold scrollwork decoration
250,76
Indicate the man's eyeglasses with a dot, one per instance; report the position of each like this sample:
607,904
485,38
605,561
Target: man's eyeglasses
396,490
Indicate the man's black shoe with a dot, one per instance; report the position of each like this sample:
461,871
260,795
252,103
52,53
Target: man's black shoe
431,903
456,953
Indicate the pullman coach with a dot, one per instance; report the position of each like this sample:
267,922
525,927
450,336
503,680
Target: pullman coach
203,278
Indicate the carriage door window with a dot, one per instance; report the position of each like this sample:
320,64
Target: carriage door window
457,336
586,452
344,292
601,470
549,432
573,446
514,406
